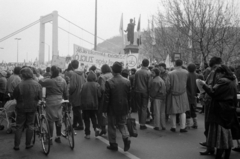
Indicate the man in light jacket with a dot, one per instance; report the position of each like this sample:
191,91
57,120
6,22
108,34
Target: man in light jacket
177,100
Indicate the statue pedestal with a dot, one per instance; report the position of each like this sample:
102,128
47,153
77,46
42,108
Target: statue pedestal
131,48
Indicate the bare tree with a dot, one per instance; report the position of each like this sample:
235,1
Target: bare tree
211,26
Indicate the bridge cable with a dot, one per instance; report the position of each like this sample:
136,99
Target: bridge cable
87,31
80,38
19,31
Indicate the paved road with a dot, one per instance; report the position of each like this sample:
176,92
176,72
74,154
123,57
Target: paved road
150,144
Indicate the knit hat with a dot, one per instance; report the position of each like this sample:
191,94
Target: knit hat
3,73
91,77
117,67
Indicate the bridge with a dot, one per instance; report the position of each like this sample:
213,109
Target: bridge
52,18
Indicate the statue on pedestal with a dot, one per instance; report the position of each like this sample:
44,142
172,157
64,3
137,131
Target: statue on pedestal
130,31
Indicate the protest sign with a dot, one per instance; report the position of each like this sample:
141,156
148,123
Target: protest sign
59,61
91,57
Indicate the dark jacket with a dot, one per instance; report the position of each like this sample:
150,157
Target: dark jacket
3,84
55,86
90,93
157,89
192,87
117,96
142,80
27,94
165,77
224,101
101,81
77,80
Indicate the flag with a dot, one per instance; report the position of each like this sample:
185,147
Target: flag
121,30
153,32
139,42
190,38
202,63
190,44
168,62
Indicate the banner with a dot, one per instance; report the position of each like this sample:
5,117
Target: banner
91,57
59,61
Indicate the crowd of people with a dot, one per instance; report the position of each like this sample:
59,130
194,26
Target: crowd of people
107,95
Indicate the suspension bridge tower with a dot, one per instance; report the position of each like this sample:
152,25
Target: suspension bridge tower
52,17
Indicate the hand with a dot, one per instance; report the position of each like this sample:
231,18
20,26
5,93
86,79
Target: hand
104,115
201,82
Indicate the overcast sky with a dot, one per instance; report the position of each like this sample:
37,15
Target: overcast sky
15,14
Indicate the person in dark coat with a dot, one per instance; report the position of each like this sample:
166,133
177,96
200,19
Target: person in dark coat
222,111
133,94
213,63
106,75
116,105
192,94
141,87
77,79
89,103
27,95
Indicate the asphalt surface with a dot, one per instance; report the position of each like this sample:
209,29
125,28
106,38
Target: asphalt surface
150,144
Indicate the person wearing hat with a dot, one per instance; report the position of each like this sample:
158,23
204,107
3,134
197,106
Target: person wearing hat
3,87
13,80
116,107
27,95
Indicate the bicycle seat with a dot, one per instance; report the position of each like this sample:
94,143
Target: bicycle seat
64,101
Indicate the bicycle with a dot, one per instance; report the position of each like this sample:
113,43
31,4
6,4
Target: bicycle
41,128
68,128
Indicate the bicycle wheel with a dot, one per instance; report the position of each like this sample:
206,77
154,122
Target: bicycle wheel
69,132
45,135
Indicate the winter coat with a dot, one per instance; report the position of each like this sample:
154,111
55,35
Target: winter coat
177,100
165,77
157,88
224,102
142,80
77,80
90,93
12,83
55,86
117,96
27,95
192,87
102,81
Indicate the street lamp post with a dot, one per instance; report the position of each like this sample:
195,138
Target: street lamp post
1,48
17,47
48,50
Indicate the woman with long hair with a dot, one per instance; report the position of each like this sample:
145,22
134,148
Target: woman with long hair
106,75
56,91
222,113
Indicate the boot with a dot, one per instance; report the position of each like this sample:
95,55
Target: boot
103,131
188,124
219,154
227,154
195,125
209,151
127,143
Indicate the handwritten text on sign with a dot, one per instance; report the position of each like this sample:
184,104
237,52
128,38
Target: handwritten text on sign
91,57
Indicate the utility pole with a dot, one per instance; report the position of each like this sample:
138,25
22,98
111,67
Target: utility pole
95,35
